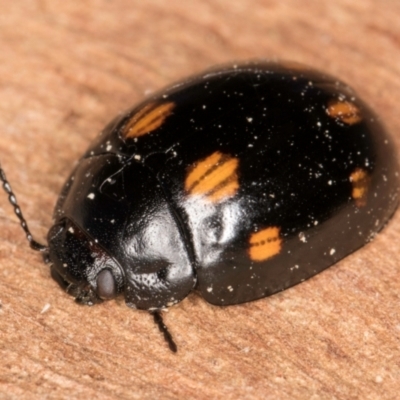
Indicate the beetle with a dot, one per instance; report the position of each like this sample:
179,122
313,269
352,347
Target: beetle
239,182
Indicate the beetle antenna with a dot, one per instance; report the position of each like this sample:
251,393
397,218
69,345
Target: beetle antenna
164,330
13,200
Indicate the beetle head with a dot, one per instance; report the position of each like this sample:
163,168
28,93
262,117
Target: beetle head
81,266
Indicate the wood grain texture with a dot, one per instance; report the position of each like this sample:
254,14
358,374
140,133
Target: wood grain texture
67,67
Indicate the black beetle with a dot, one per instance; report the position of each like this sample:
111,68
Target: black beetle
239,182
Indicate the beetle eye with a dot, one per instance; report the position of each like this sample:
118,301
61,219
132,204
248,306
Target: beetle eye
106,287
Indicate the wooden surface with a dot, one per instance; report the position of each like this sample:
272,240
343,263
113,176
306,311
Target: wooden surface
67,67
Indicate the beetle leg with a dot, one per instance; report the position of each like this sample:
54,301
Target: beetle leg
164,330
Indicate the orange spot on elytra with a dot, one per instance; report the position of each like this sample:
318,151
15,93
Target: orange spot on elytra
229,189
265,244
345,111
214,177
147,119
201,168
359,179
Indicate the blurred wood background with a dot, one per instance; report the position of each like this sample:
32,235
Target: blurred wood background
67,67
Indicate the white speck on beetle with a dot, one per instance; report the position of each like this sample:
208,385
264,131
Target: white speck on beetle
329,182
91,196
302,237
137,157
113,221
65,265
71,229
109,147
332,252
209,289
249,119
45,308
230,288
